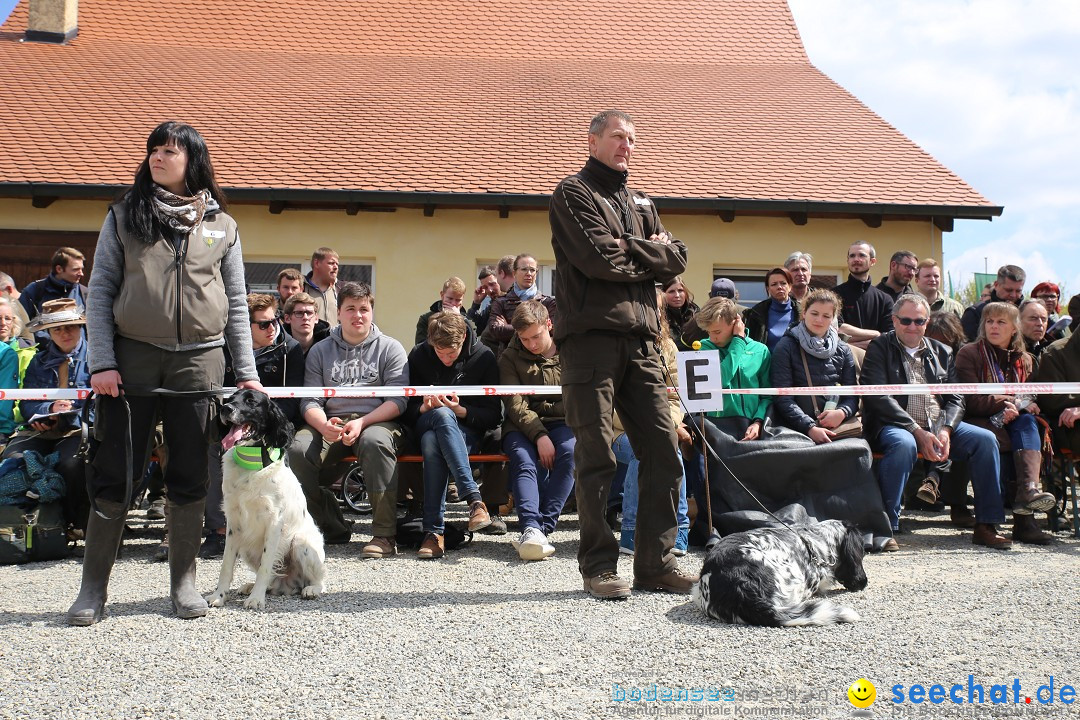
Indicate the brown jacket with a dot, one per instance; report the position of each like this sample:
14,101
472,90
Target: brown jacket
529,413
970,368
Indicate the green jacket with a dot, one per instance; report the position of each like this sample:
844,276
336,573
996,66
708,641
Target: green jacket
744,363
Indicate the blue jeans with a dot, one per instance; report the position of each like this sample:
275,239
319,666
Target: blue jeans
539,493
974,444
625,454
445,444
1024,433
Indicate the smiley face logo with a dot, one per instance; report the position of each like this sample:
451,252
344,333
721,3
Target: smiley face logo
862,693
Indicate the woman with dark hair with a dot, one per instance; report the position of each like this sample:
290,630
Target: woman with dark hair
998,356
680,308
945,327
767,321
168,289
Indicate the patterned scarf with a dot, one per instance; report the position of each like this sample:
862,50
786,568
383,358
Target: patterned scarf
992,370
182,214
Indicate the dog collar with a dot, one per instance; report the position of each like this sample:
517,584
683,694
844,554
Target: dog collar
255,458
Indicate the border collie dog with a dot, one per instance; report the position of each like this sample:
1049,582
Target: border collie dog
265,509
768,577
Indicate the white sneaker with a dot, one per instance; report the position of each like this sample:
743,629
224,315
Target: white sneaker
533,545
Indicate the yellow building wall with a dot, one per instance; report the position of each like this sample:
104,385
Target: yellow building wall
412,255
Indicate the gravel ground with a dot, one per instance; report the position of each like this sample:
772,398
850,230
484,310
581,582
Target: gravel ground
480,634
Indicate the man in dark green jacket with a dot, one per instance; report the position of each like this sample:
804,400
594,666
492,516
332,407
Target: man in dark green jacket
610,251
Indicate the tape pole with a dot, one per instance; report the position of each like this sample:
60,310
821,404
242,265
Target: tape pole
388,391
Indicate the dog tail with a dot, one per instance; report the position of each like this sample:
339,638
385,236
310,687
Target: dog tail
816,611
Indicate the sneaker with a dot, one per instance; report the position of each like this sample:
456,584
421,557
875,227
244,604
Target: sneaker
213,546
478,516
161,552
379,547
673,581
607,586
156,510
533,545
432,547
626,541
497,526
682,542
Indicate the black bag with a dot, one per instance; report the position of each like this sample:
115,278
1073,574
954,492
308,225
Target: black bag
32,535
410,533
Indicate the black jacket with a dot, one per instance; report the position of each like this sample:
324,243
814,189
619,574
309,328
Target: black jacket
606,267
757,320
474,366
321,331
797,412
884,365
422,323
279,365
865,306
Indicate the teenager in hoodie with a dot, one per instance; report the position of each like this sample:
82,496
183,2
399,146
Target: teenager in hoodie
450,426
355,354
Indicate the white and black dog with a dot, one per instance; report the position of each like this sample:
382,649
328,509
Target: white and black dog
768,577
265,509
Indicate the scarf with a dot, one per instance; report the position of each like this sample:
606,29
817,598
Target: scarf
182,214
526,295
822,348
992,370
54,357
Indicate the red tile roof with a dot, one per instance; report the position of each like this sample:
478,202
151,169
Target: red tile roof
454,96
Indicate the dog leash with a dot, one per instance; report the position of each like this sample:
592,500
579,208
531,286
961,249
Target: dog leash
84,452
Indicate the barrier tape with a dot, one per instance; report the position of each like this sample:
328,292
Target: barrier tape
388,391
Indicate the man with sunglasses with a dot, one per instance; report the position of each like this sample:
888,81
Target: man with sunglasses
904,426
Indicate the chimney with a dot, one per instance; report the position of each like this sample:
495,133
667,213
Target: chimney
53,21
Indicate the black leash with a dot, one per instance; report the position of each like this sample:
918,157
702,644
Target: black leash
84,452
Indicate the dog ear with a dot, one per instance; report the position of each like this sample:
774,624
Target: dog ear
279,431
849,567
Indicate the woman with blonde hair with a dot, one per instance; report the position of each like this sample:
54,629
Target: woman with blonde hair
999,356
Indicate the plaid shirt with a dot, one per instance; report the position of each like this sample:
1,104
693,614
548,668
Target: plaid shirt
923,409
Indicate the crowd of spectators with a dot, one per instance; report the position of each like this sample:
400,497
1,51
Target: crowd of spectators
318,331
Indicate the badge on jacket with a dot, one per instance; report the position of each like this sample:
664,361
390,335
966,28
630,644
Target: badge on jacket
209,236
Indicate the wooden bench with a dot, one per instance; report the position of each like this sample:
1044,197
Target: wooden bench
354,493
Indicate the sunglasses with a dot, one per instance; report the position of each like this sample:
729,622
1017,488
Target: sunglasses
907,321
263,324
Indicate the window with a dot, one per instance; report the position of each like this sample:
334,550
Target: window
751,283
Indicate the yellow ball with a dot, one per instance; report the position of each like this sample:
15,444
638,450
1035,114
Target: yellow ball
862,693
696,345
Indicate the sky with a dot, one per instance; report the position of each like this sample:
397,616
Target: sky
991,89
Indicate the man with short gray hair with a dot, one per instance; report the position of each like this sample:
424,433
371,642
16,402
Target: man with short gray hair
1008,287
799,264
902,427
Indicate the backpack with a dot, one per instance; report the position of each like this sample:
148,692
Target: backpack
32,534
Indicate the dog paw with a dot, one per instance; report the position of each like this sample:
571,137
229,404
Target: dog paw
311,591
246,588
215,599
255,603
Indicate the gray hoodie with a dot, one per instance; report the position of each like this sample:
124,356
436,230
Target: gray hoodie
333,362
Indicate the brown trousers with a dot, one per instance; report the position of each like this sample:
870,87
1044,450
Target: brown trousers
602,372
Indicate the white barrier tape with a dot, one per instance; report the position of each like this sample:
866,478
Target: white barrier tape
1062,388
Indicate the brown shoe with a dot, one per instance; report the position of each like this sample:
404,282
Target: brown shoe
890,545
673,581
928,491
478,516
961,516
1026,530
607,586
986,534
431,548
379,547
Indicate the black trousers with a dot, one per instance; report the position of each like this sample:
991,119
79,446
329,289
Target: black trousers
601,373
185,421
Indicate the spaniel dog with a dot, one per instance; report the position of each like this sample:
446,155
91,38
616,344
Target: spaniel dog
773,577
265,509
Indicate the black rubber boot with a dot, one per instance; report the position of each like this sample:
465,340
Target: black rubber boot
102,542
185,536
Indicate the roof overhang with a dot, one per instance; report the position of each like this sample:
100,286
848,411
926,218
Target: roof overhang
354,201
